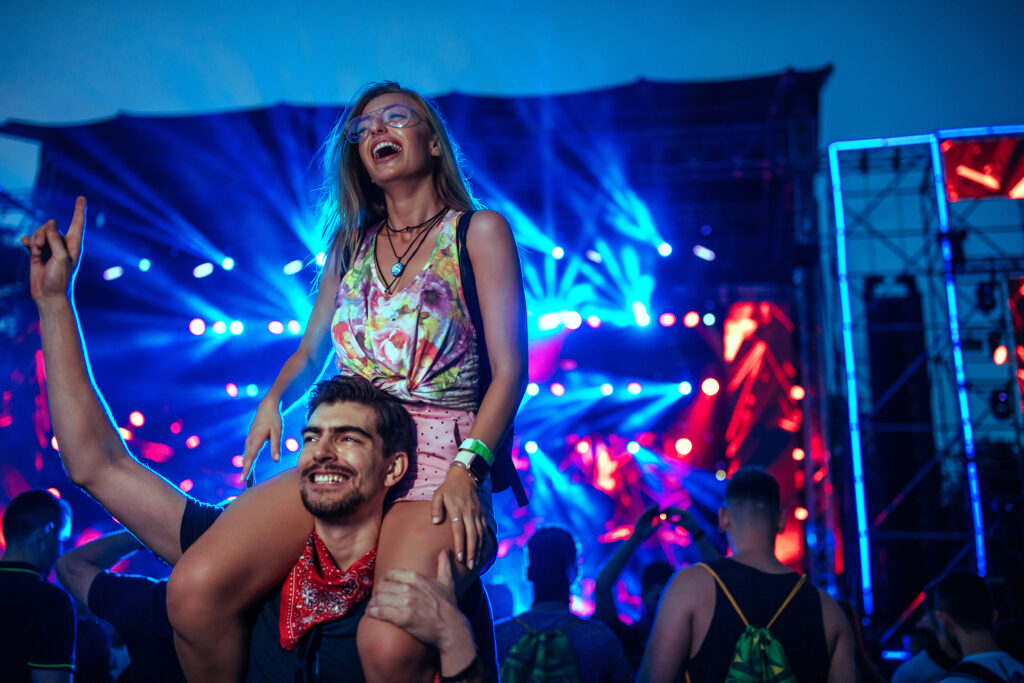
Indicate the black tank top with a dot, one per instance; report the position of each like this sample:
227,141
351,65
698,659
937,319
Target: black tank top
799,628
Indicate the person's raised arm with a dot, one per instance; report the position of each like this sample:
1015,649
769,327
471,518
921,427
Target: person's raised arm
297,374
77,568
685,519
499,283
604,601
94,455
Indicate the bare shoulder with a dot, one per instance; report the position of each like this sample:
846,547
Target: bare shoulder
488,227
832,614
689,586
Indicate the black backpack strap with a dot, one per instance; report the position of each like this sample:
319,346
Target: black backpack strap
503,464
975,671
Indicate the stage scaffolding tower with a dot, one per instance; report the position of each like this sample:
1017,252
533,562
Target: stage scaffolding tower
931,464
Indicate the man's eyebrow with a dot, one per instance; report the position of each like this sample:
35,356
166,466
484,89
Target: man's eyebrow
338,429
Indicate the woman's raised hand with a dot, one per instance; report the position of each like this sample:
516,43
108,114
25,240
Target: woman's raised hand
266,426
457,502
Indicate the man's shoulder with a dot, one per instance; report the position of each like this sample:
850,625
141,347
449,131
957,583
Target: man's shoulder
920,667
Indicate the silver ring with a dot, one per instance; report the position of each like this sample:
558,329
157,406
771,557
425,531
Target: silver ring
456,519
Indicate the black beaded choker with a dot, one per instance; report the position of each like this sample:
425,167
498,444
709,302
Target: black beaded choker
410,228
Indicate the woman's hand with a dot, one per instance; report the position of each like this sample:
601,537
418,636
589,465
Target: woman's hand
266,426
457,501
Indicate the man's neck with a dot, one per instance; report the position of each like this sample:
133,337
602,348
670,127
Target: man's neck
551,595
975,642
14,554
757,554
349,539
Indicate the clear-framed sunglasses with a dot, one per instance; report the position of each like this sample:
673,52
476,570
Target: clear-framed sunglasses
396,115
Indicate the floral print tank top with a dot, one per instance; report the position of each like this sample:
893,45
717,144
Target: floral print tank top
418,343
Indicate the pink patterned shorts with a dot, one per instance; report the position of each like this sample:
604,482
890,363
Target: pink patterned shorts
439,431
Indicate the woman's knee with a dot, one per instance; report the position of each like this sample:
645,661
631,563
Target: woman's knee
388,653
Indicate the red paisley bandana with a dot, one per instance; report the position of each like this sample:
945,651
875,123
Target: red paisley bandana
317,591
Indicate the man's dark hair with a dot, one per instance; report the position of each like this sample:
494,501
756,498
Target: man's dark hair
755,486
33,510
965,597
394,424
551,550
656,573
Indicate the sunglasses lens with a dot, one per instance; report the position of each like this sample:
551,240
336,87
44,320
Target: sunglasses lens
358,128
396,115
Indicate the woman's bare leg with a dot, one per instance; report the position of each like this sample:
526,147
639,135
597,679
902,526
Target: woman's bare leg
250,548
408,540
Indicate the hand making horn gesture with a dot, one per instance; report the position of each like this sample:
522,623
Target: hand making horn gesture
55,257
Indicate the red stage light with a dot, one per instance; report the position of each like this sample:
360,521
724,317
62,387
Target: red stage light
684,446
192,441
978,169
798,454
801,514
1000,354
232,389
54,492
126,434
136,418
237,460
710,386
796,392
291,444
53,442
196,326
583,447
186,485
557,389
176,427
667,319
691,319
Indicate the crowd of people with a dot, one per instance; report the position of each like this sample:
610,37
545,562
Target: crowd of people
364,561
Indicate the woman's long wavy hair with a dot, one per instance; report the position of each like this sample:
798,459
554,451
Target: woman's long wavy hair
350,203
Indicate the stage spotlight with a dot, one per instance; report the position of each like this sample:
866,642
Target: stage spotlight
126,434
53,443
667,319
196,326
583,447
709,319
228,263
321,259
176,427
548,321
202,270
113,273
593,321
721,475
557,389
607,389
703,253
640,314
1000,403
801,513
136,418
252,391
593,256
572,320
685,388
294,327
665,249
54,492
275,327
634,388
530,447
985,293
557,253
797,393
291,444
192,441
186,485
292,267
236,327
1000,354
532,389
220,327
691,319
799,454
237,460
684,446
633,447
709,386
232,389
144,265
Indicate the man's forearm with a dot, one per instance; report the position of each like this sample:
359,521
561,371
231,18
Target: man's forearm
106,551
86,435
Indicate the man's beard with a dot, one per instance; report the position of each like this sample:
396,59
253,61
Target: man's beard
333,510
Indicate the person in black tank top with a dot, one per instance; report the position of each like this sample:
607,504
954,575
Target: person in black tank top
697,626
799,627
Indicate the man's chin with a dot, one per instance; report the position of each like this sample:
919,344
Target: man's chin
328,509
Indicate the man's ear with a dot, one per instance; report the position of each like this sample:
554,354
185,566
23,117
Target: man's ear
780,525
723,518
397,469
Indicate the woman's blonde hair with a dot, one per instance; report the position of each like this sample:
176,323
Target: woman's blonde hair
350,203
